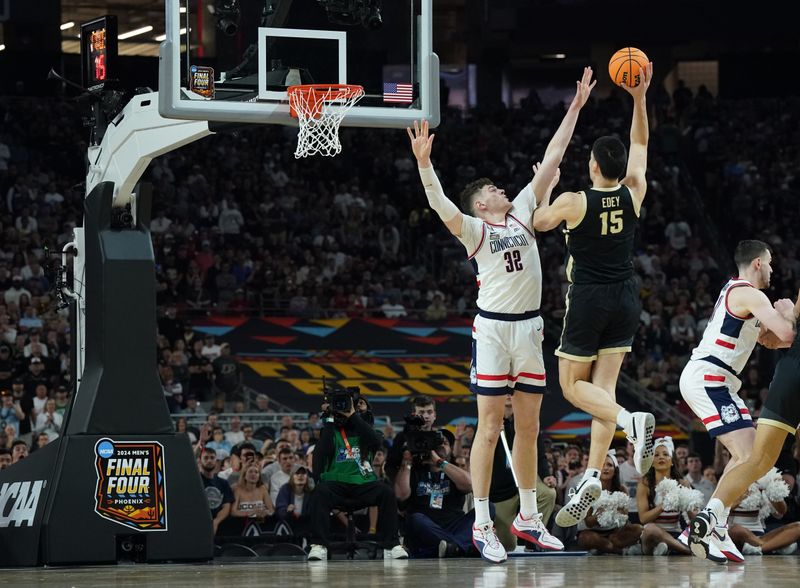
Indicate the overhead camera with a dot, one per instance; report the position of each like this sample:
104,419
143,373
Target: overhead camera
354,12
228,13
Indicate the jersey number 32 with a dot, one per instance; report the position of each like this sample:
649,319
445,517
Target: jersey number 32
513,260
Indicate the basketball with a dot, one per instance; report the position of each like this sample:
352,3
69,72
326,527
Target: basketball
624,66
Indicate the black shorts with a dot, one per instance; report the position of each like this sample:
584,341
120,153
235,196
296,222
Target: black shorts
600,319
782,406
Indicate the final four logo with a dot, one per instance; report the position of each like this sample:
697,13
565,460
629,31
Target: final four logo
130,484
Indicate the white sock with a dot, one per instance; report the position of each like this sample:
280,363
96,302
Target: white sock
527,502
482,512
591,473
715,505
724,519
624,420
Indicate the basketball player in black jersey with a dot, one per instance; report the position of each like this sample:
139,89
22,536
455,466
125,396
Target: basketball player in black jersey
780,416
603,304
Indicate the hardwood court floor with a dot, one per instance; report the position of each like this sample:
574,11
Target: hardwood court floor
538,572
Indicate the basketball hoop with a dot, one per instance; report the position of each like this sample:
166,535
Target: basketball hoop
319,110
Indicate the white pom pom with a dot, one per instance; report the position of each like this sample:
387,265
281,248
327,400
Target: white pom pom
775,489
752,501
663,488
691,499
606,509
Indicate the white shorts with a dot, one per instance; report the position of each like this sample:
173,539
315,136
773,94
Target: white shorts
712,394
507,356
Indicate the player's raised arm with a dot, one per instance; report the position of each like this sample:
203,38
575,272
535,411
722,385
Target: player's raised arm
421,145
640,135
560,141
569,207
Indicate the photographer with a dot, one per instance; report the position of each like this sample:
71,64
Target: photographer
342,465
423,417
435,490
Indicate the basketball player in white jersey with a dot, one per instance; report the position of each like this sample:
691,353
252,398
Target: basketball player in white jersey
507,333
710,381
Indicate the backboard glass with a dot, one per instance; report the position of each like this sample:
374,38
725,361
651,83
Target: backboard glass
277,43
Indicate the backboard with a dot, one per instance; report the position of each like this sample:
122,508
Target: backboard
241,56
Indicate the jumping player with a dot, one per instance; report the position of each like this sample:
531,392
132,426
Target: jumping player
507,333
710,381
603,305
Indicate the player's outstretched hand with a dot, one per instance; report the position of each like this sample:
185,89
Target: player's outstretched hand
645,76
585,86
421,142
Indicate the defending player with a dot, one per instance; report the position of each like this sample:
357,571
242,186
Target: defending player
603,305
710,381
507,333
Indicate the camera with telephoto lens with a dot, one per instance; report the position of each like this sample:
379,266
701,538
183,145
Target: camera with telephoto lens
341,399
419,442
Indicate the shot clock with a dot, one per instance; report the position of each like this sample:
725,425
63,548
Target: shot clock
98,51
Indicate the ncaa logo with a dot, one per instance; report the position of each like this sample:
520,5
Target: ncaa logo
105,448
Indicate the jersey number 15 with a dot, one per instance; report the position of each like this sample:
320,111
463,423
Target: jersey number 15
513,260
615,216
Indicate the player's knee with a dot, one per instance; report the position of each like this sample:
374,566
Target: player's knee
528,429
489,430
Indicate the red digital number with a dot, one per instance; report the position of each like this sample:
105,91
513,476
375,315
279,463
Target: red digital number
100,67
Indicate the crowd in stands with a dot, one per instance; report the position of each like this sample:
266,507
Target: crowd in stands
240,226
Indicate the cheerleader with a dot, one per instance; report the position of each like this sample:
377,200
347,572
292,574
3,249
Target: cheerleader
661,527
606,528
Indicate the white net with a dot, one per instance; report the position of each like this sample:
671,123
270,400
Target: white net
320,110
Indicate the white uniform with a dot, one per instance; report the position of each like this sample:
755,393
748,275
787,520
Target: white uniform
507,333
709,382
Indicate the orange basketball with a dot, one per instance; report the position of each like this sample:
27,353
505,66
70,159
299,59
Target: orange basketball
624,66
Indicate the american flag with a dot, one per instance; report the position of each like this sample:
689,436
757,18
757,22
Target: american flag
393,92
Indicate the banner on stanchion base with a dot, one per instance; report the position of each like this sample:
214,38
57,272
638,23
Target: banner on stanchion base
131,484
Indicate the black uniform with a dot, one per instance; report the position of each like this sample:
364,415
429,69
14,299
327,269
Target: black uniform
603,304
782,406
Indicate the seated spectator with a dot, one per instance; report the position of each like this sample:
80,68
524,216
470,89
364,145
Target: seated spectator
10,411
49,421
251,498
19,450
219,444
437,310
435,491
281,475
218,491
242,455
235,435
293,500
696,479
5,458
608,539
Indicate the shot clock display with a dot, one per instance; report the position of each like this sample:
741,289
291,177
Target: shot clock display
98,51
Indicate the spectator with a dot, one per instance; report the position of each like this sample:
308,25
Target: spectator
218,491
696,479
5,458
227,373
210,350
293,500
193,406
219,444
49,421
282,473
19,450
235,435
11,412
251,497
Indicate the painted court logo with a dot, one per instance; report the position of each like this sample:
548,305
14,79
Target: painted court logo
130,484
